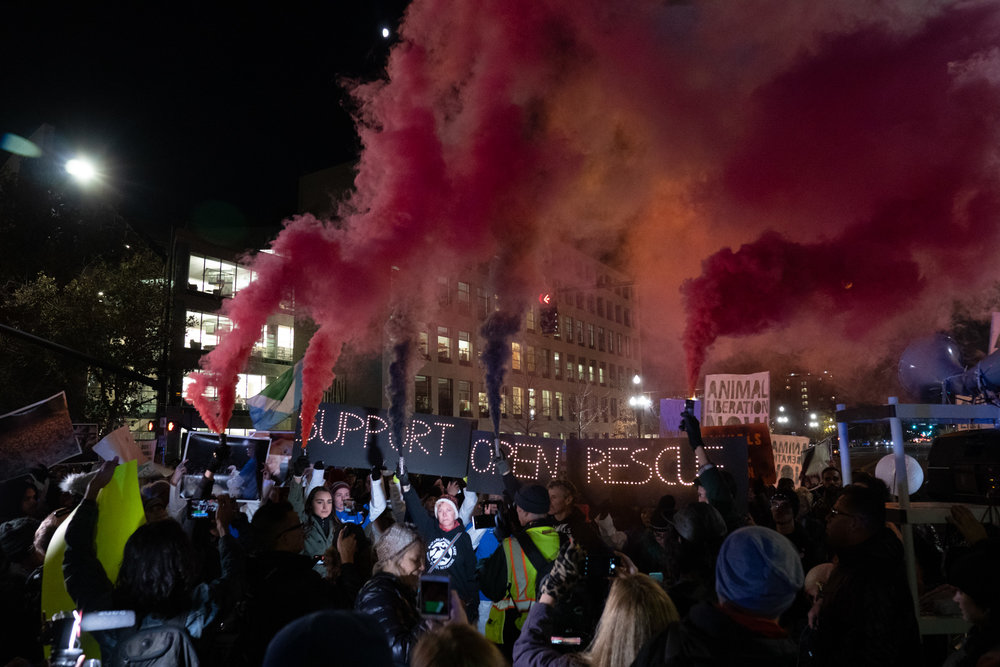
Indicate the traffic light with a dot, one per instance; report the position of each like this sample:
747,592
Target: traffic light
549,320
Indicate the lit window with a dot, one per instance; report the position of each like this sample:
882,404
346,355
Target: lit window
515,356
444,345
464,348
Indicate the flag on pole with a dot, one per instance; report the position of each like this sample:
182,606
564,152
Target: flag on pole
278,401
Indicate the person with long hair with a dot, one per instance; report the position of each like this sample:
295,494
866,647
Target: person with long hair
159,575
637,609
391,594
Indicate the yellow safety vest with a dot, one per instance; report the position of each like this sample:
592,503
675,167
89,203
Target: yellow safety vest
521,578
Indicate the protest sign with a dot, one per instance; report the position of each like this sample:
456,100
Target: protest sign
432,444
40,433
279,454
237,466
532,460
641,470
788,451
120,443
119,513
759,453
737,399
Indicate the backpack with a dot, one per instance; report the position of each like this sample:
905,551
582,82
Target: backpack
157,646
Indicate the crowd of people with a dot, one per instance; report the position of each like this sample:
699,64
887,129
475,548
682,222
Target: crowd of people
339,567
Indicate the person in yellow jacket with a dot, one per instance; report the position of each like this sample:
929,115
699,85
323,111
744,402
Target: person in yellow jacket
508,577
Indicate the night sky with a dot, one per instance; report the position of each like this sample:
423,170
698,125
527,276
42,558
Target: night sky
183,103
814,180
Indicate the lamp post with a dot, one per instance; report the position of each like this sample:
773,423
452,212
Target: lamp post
639,402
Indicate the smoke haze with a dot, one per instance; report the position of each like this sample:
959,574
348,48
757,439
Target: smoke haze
820,176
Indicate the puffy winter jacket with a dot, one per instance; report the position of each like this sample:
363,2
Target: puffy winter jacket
394,606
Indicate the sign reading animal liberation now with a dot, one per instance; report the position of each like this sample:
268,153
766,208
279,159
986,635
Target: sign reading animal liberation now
737,399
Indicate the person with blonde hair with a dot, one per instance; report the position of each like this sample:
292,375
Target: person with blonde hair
637,609
456,645
391,594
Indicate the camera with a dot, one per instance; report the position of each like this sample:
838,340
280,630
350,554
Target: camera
204,508
434,596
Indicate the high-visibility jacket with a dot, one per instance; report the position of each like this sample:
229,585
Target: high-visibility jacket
520,579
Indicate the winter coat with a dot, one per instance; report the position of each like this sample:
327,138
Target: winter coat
90,588
867,615
534,647
709,637
394,606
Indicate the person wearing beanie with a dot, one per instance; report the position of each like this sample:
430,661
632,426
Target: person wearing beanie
449,547
307,641
976,578
509,576
758,574
390,596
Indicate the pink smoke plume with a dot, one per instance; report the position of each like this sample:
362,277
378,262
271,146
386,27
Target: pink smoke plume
846,148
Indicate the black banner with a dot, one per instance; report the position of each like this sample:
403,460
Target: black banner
533,460
431,443
641,470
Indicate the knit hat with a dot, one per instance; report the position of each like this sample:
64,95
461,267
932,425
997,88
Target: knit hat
395,541
700,523
533,498
339,485
17,537
446,500
758,570
306,641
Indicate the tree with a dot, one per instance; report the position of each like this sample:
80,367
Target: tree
76,274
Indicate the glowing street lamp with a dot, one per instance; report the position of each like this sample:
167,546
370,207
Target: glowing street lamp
81,169
639,403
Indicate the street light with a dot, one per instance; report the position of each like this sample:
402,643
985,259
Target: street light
639,403
81,169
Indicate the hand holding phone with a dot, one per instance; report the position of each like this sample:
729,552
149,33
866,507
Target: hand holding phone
434,597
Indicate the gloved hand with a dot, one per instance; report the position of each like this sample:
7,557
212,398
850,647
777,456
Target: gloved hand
299,465
503,468
565,571
375,460
691,426
401,472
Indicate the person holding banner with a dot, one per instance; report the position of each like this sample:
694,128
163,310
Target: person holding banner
449,548
158,575
712,487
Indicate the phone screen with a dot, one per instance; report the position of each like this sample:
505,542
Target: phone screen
434,596
566,641
202,509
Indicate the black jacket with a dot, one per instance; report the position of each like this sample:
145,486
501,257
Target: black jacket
708,637
394,606
867,615
90,588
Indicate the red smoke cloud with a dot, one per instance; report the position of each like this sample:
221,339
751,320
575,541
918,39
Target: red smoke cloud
848,149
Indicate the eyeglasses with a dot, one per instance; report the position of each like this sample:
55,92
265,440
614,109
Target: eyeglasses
835,512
